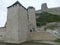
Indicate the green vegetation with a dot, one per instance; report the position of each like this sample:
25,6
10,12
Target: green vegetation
45,17
57,40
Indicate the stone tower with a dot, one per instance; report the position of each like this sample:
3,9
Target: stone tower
32,18
44,7
17,24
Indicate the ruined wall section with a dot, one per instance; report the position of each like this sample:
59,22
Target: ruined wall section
45,8
2,33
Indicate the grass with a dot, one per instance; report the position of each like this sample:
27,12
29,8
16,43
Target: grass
57,40
45,18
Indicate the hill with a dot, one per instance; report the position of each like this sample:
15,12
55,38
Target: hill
46,17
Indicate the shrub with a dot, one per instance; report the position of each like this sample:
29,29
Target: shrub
57,40
46,17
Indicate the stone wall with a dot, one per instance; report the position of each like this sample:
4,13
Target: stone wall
45,8
12,25
55,10
17,24
32,17
2,33
22,24
42,36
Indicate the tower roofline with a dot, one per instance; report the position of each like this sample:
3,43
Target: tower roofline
17,2
31,7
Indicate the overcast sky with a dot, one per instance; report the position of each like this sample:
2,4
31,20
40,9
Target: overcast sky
25,3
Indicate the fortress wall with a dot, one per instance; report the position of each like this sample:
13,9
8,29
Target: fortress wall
51,10
54,10
22,24
17,24
32,16
45,8
43,36
12,25
2,33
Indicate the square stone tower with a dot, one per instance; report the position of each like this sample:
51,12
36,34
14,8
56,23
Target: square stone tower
32,18
17,24
44,7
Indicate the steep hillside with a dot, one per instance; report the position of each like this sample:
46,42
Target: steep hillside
45,17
